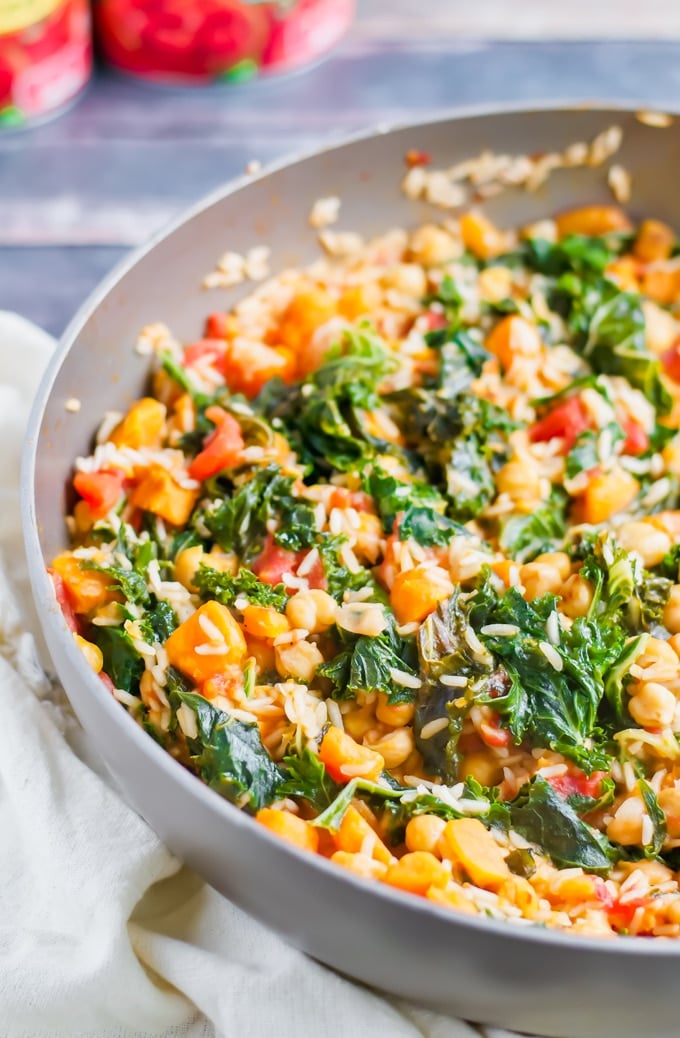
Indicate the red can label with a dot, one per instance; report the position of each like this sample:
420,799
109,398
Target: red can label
45,56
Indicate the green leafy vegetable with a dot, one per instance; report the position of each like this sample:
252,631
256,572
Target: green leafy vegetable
239,522
230,757
306,777
224,588
657,817
444,652
585,454
324,416
131,583
158,623
541,816
555,706
368,664
122,662
525,536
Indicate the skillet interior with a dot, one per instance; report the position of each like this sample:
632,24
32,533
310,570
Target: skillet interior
499,973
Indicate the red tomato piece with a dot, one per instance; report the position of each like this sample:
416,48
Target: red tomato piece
101,490
567,421
435,320
577,782
621,915
274,561
64,602
492,734
209,348
216,326
637,440
223,447
670,361
106,681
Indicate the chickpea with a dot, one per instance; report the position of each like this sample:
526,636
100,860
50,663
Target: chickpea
424,832
669,802
671,613
433,245
359,721
314,610
539,579
559,559
652,705
655,872
660,657
674,643
519,480
408,278
626,825
483,767
298,660
394,747
360,864
495,283
646,540
187,564
577,595
91,652
396,715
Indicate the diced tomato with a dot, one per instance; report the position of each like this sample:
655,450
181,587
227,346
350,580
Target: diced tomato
492,734
567,420
106,681
577,782
418,158
64,602
316,578
101,490
222,449
621,915
637,440
603,894
434,320
670,361
216,326
211,349
274,561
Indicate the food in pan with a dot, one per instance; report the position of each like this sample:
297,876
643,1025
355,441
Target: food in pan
389,559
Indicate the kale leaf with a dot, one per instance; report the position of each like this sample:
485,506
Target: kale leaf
306,777
230,757
367,664
657,817
225,588
540,815
122,662
239,522
525,536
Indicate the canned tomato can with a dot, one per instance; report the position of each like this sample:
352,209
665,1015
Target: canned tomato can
195,42
45,57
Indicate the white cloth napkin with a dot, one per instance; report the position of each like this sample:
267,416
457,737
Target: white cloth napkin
103,934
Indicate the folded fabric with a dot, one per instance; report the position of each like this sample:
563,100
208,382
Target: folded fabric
103,934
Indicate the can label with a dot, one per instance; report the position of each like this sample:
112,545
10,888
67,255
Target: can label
16,15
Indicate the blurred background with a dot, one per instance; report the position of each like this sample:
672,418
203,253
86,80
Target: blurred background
78,190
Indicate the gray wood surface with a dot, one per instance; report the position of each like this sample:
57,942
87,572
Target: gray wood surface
76,193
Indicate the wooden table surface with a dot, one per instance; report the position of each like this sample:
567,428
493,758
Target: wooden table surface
75,194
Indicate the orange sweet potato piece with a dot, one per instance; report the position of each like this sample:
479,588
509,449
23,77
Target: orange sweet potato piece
87,589
416,592
345,759
290,828
158,492
592,220
207,643
142,426
480,236
514,336
655,241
